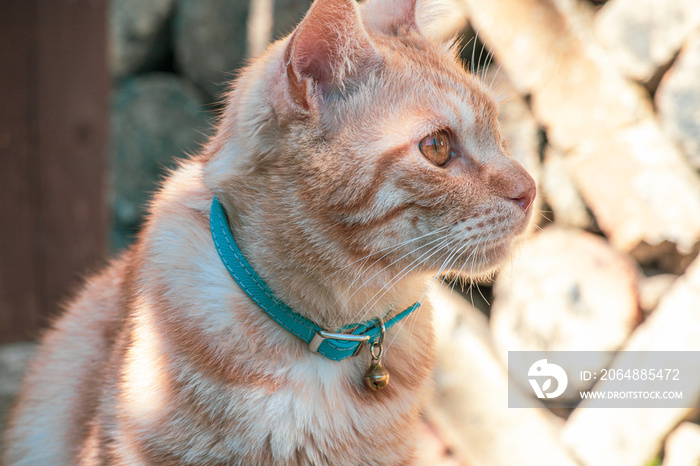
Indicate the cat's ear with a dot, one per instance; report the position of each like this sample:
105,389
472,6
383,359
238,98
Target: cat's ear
329,47
391,17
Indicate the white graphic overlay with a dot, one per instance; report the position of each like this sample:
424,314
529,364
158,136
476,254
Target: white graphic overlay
541,369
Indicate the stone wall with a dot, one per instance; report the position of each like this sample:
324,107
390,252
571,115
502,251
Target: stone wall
171,60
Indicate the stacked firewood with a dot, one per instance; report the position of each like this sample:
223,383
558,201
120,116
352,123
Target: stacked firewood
602,105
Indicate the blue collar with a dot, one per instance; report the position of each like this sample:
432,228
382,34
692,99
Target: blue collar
334,346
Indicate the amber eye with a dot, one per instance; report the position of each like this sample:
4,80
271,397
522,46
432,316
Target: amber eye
436,148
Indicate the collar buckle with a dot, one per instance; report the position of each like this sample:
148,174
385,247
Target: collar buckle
322,335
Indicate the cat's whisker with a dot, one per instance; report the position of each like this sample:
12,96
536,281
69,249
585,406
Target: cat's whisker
542,213
471,290
476,283
388,249
450,256
402,273
476,39
478,63
487,65
495,75
488,303
447,263
409,268
458,253
360,275
503,90
460,271
464,47
472,259
419,300
383,269
490,62
415,264
393,248
503,98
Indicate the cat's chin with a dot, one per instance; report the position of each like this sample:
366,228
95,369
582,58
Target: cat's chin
484,263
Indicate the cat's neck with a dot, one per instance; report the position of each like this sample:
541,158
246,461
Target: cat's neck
322,282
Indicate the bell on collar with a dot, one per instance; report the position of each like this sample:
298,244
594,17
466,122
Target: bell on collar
376,377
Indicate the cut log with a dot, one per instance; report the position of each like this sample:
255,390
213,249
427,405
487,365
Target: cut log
639,187
601,437
642,36
593,113
652,289
683,446
561,194
565,290
678,100
470,408
576,92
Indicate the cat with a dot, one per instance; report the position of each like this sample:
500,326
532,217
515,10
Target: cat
354,161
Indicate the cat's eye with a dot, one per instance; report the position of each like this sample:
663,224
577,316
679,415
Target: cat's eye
436,147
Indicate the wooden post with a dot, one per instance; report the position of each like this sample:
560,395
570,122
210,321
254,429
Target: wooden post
54,98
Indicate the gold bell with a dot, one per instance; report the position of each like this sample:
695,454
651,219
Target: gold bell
376,376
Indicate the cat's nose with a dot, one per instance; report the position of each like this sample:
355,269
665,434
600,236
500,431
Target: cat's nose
510,181
525,197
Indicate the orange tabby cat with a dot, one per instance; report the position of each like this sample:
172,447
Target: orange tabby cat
354,160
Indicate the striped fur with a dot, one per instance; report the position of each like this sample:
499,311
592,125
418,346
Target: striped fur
161,359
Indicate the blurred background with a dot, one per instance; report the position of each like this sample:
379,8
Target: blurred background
600,101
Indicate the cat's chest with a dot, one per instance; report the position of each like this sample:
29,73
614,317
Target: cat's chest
311,409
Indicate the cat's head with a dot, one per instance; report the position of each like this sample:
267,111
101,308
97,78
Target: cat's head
358,135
